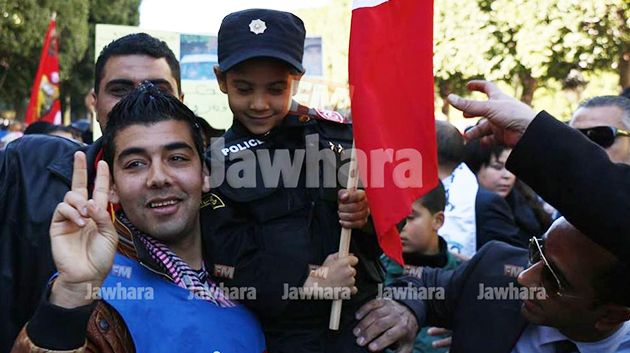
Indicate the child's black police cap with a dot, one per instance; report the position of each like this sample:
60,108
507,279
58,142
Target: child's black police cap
256,33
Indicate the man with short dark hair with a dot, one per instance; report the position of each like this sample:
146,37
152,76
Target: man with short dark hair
473,214
570,292
605,120
35,173
128,61
459,229
154,146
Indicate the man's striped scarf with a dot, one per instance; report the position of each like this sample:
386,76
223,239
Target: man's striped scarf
179,271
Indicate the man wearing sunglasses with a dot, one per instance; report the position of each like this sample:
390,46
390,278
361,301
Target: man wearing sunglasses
572,174
574,296
605,120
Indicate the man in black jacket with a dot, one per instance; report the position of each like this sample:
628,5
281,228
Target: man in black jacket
551,158
36,170
572,292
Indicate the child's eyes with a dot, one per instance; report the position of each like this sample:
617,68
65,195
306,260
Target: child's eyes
243,90
276,91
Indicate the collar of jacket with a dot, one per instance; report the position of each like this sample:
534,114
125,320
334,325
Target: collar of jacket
131,247
288,122
438,260
62,166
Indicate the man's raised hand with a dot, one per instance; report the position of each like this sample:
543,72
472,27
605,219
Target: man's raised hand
506,118
82,237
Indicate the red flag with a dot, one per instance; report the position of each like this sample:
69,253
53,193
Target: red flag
44,103
391,78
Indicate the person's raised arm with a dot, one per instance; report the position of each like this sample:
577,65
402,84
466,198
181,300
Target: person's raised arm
506,118
83,243
568,171
82,237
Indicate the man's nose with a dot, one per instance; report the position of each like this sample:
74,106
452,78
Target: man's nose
158,176
531,276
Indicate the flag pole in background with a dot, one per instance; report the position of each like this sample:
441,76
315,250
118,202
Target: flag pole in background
391,79
44,103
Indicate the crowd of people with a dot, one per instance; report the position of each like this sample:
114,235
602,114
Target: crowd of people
153,239
79,131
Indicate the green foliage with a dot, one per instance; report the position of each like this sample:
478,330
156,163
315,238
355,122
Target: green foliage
528,42
460,39
332,23
120,12
551,53
23,24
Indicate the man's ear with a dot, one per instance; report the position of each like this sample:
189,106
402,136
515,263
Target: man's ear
113,194
221,78
181,97
95,99
438,220
295,83
613,316
206,179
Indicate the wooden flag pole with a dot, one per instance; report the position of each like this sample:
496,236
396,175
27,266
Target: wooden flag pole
344,242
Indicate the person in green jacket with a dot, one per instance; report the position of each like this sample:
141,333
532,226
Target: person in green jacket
422,246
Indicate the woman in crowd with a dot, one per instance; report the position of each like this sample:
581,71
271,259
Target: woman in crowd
488,163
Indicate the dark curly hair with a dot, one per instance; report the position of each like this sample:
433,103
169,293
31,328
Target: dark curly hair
147,105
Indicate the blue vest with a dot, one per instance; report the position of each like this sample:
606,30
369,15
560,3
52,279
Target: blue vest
163,317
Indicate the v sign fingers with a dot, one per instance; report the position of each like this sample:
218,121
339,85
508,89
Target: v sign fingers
79,174
100,194
83,238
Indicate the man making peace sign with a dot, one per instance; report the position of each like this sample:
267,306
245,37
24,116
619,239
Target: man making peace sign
138,281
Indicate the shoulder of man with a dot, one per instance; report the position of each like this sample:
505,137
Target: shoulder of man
498,257
40,150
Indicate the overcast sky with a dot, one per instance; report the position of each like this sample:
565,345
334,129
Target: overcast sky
204,16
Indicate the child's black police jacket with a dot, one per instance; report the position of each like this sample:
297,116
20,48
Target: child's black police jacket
263,237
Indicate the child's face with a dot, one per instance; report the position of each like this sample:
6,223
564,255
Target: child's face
420,230
259,92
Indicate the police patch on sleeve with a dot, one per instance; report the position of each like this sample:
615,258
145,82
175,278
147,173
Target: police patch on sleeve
330,115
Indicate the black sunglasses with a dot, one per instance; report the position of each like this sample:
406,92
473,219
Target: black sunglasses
549,279
604,135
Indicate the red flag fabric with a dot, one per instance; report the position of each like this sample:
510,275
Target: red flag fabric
44,103
391,80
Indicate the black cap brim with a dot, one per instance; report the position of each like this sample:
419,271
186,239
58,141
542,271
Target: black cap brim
236,59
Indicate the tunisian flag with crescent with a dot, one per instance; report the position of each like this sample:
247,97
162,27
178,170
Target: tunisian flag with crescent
44,103
391,84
